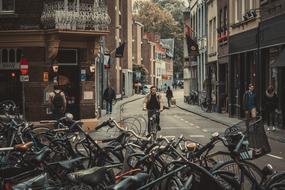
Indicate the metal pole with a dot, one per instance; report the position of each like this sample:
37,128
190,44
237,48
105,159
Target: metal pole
23,96
101,42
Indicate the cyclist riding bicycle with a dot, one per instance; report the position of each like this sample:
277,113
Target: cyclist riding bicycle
153,104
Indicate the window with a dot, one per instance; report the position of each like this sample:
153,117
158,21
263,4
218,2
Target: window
7,5
247,5
225,19
67,57
238,11
214,34
10,58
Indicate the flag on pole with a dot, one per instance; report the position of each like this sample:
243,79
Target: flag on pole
193,49
120,50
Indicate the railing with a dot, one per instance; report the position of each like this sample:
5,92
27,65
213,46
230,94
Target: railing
75,16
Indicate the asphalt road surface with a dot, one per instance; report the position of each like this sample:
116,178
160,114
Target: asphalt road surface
175,122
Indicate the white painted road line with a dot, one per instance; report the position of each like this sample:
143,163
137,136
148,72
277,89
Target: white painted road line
197,136
191,124
197,127
178,128
273,156
205,130
182,119
186,121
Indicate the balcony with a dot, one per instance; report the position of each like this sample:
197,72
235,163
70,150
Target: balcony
62,15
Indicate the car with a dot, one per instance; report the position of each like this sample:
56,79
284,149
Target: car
146,89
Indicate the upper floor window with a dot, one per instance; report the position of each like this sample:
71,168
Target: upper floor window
7,5
10,58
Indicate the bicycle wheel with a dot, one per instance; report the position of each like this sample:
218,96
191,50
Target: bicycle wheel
273,183
244,181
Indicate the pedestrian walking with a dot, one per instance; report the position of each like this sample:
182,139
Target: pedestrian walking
271,102
169,95
57,102
249,102
109,95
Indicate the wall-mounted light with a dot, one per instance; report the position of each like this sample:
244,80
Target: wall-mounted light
55,67
92,68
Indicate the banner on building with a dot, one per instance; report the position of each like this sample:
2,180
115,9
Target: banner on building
120,50
193,49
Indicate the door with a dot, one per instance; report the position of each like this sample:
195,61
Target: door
11,87
69,82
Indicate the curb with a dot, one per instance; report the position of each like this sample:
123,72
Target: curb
215,120
279,139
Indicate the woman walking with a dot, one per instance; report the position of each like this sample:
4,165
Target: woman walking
271,102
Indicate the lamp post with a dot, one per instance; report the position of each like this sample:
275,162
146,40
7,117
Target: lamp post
101,68
55,68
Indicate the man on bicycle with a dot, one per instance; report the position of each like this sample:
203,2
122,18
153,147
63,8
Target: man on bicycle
153,104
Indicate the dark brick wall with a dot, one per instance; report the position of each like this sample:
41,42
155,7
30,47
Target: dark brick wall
272,8
27,16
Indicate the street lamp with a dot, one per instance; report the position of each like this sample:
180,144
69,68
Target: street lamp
55,68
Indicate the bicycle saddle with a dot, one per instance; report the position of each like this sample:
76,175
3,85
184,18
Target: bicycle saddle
92,176
131,182
23,147
67,164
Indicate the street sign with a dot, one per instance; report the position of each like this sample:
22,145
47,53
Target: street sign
24,78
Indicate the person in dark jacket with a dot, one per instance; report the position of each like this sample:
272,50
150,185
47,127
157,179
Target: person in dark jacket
249,102
271,102
109,95
169,95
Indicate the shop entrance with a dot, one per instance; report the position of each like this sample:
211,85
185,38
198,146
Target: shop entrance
69,82
11,87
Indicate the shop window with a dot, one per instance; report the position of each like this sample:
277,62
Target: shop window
7,5
18,54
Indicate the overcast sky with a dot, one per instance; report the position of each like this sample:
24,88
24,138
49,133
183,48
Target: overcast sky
186,2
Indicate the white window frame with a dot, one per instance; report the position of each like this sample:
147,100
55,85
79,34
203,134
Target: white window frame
6,11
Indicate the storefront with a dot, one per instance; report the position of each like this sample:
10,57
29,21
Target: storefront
272,45
73,53
242,69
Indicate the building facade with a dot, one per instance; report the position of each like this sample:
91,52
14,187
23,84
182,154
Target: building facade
223,57
195,67
168,44
272,52
244,19
212,66
44,35
148,58
120,74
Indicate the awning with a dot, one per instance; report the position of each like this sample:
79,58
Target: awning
280,61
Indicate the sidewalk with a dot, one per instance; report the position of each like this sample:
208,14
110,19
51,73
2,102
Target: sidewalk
278,135
90,124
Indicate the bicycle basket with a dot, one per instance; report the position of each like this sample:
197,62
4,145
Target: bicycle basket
258,144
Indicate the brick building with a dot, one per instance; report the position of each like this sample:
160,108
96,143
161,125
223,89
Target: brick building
46,33
121,76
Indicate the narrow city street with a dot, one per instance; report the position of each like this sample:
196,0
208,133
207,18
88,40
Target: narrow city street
175,122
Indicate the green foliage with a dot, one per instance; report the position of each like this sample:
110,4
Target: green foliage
155,19
164,17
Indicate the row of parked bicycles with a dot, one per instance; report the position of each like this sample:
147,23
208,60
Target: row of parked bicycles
204,101
66,157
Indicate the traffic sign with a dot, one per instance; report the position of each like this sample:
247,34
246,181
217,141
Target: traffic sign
24,78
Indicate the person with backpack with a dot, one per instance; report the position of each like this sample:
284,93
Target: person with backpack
169,95
154,105
57,101
109,95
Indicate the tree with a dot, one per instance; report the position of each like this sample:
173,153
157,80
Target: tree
176,7
155,19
